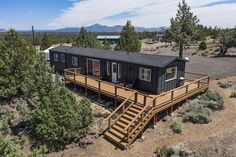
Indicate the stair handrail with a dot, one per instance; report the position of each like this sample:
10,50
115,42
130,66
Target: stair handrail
121,105
139,114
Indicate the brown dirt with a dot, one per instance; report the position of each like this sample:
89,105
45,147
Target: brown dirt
217,138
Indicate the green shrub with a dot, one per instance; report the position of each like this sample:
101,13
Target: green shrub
58,118
9,149
176,151
213,100
5,125
198,114
176,127
194,53
203,45
205,54
233,95
224,84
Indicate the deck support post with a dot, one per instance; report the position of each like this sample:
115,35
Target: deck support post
99,90
154,120
86,90
135,97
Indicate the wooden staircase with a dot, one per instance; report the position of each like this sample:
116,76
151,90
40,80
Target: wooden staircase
129,123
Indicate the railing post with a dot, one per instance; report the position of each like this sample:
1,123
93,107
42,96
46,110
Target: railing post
142,117
116,91
99,89
145,100
86,90
128,134
186,88
198,84
172,94
123,108
109,123
135,97
154,102
208,79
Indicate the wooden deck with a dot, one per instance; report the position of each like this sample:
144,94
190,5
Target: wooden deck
130,118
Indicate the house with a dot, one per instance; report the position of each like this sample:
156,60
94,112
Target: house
157,37
46,53
112,39
146,72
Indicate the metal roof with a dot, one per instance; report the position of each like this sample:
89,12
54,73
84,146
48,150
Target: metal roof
129,57
101,37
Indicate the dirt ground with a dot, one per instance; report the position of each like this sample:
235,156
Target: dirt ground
216,139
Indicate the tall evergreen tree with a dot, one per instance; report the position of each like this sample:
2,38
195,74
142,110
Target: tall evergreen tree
86,39
106,44
129,39
183,27
16,65
46,43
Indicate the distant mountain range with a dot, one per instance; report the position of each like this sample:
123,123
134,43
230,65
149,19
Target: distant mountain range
104,28
95,28
2,30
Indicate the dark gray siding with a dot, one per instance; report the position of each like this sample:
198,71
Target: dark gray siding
129,72
165,86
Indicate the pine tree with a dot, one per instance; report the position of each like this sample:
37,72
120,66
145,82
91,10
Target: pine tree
183,27
86,39
16,66
106,44
46,43
129,39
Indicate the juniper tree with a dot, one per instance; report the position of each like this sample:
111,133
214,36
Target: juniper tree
85,39
16,65
129,39
46,43
183,27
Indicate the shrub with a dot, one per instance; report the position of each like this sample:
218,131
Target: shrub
176,151
176,127
194,53
198,114
213,100
5,126
233,95
205,54
9,149
58,118
224,84
203,45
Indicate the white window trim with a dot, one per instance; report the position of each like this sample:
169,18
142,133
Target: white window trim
73,61
145,69
119,71
64,58
173,77
56,57
93,65
108,68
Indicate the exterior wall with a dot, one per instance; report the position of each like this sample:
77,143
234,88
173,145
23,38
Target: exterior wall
164,86
129,72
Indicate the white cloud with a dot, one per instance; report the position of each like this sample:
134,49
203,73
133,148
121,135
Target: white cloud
149,13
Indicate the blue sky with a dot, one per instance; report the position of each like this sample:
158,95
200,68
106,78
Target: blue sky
53,14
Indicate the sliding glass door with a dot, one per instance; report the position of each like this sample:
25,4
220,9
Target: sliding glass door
93,67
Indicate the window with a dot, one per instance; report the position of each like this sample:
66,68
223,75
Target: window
55,57
119,70
93,67
108,69
75,61
145,74
171,73
62,57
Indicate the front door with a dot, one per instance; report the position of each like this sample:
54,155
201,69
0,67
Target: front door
114,72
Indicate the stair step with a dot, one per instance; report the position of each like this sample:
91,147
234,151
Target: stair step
123,119
128,117
112,137
116,133
121,124
137,107
118,128
134,110
130,113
